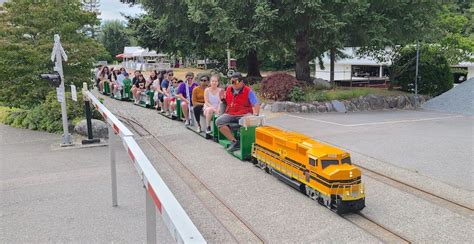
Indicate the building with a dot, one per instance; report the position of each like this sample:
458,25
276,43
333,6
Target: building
367,71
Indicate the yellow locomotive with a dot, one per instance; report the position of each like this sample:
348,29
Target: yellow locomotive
322,172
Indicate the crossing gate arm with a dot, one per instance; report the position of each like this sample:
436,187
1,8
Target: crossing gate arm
175,218
118,127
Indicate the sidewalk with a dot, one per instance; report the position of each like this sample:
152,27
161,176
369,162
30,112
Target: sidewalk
53,194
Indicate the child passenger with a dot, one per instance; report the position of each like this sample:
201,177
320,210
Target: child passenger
212,100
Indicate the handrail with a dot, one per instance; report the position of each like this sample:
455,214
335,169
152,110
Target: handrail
175,218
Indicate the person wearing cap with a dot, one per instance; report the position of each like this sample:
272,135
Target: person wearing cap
185,95
241,101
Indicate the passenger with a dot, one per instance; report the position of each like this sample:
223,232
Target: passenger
118,84
170,96
126,80
97,71
113,79
140,87
198,101
103,77
153,77
241,101
164,87
212,100
173,90
186,95
136,74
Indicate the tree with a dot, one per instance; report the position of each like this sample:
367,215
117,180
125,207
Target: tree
114,36
434,70
26,42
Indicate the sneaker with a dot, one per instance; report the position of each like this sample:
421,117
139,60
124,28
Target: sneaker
234,146
198,130
208,130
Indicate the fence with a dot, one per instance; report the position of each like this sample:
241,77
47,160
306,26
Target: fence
158,195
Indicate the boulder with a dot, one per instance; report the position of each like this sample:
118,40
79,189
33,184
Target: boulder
304,109
278,107
322,83
339,106
401,101
329,107
99,128
375,102
322,108
291,107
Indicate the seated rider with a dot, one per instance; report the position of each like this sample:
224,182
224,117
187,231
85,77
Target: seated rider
212,101
198,101
140,87
172,91
241,101
185,95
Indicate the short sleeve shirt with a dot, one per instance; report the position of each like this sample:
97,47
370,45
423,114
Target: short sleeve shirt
182,90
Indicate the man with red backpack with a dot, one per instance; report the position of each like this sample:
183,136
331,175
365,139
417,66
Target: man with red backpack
240,101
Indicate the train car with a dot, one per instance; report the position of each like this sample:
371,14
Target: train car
322,172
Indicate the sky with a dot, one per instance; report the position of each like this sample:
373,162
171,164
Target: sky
111,9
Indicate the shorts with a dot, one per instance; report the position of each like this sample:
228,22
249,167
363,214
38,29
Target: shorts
226,119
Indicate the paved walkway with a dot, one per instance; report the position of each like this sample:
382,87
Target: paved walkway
52,194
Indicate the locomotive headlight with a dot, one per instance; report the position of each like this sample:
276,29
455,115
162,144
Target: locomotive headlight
350,173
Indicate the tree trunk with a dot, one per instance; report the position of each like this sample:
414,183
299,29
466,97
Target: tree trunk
253,67
302,48
332,56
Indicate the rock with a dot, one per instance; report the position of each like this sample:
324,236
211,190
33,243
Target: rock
392,102
329,107
278,107
267,107
312,108
322,108
304,109
401,101
322,83
99,128
291,107
339,106
375,102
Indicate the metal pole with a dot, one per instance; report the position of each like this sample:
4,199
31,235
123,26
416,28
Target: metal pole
66,137
416,73
228,57
113,170
150,219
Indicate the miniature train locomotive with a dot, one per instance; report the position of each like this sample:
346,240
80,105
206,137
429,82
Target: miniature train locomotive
322,172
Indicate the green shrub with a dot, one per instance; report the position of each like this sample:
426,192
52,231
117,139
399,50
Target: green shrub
46,116
277,86
434,71
297,94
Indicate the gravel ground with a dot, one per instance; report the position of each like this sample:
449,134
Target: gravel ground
457,100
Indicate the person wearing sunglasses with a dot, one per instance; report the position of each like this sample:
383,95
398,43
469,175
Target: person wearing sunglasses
185,93
241,101
198,101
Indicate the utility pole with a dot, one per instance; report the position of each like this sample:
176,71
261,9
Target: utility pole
416,72
58,55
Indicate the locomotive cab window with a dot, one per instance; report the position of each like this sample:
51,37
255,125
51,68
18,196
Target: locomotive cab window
313,162
326,163
346,160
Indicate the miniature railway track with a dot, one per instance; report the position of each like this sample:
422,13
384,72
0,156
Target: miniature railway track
244,232
375,229
440,200
360,220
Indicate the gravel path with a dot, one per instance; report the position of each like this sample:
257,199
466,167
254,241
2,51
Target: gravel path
457,100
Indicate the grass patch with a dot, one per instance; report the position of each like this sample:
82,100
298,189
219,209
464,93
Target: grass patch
315,94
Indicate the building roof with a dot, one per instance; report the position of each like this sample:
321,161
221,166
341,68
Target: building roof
353,59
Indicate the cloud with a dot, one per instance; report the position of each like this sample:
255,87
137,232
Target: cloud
113,9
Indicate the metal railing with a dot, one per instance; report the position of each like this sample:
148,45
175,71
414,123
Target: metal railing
158,195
